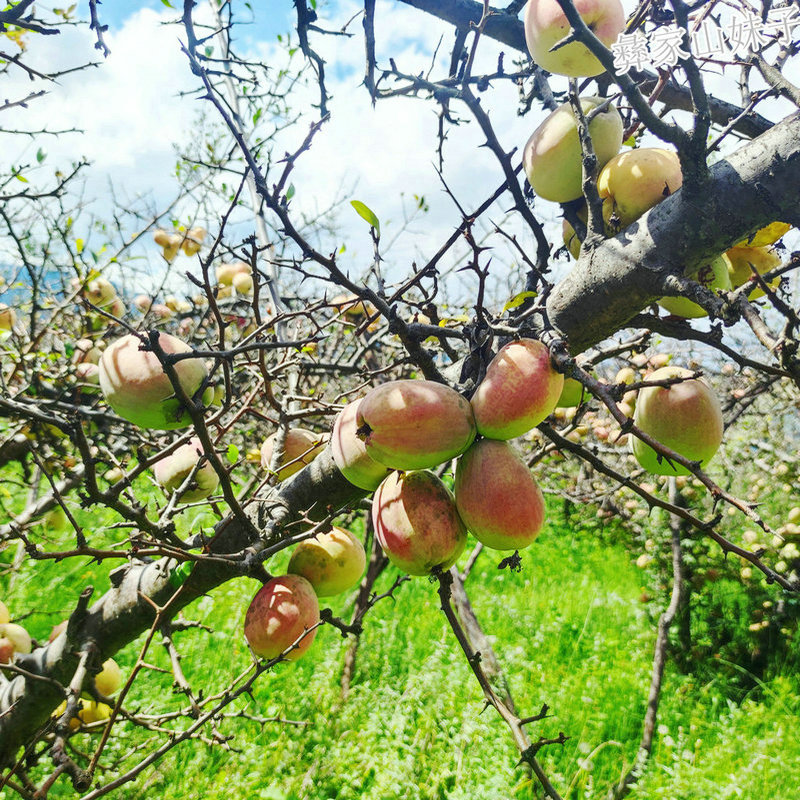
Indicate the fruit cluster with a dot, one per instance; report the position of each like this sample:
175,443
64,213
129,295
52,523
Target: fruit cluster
387,442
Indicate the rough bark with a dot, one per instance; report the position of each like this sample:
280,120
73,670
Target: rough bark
756,185
123,612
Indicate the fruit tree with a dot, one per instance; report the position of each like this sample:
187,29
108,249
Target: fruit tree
246,379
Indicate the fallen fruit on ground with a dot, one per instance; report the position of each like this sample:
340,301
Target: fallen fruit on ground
711,274
135,385
546,25
350,452
300,448
170,472
416,522
332,562
685,417
552,157
519,390
414,424
282,610
497,496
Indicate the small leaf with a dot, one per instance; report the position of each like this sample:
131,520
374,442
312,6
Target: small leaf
518,299
629,142
290,192
167,3
233,453
40,155
21,178
366,213
257,116
342,249
79,245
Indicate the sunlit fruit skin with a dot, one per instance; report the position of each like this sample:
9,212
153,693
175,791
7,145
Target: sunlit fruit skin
135,385
634,181
497,496
552,157
279,614
109,679
415,424
170,472
331,562
685,417
226,272
766,236
763,259
17,635
546,25
7,650
350,453
712,275
300,448
8,317
416,522
4,615
573,394
519,390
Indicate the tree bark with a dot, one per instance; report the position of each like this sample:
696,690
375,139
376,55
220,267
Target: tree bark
756,185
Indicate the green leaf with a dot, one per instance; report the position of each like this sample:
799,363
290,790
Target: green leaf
21,178
79,245
629,142
366,213
518,299
178,575
257,116
40,155
233,453
167,4
290,192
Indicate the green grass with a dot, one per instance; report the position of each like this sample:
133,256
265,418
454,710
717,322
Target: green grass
571,630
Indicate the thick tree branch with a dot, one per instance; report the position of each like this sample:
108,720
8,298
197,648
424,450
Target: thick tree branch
756,185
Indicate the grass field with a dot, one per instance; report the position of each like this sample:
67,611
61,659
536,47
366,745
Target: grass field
571,630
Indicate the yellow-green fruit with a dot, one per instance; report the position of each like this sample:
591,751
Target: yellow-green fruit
742,261
8,317
135,385
350,453
712,275
17,635
571,240
552,157
94,712
416,522
172,470
331,562
282,612
300,447
226,272
109,679
497,497
413,424
767,235
546,24
519,390
573,394
4,615
633,182
685,417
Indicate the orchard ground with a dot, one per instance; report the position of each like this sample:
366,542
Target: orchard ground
577,633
